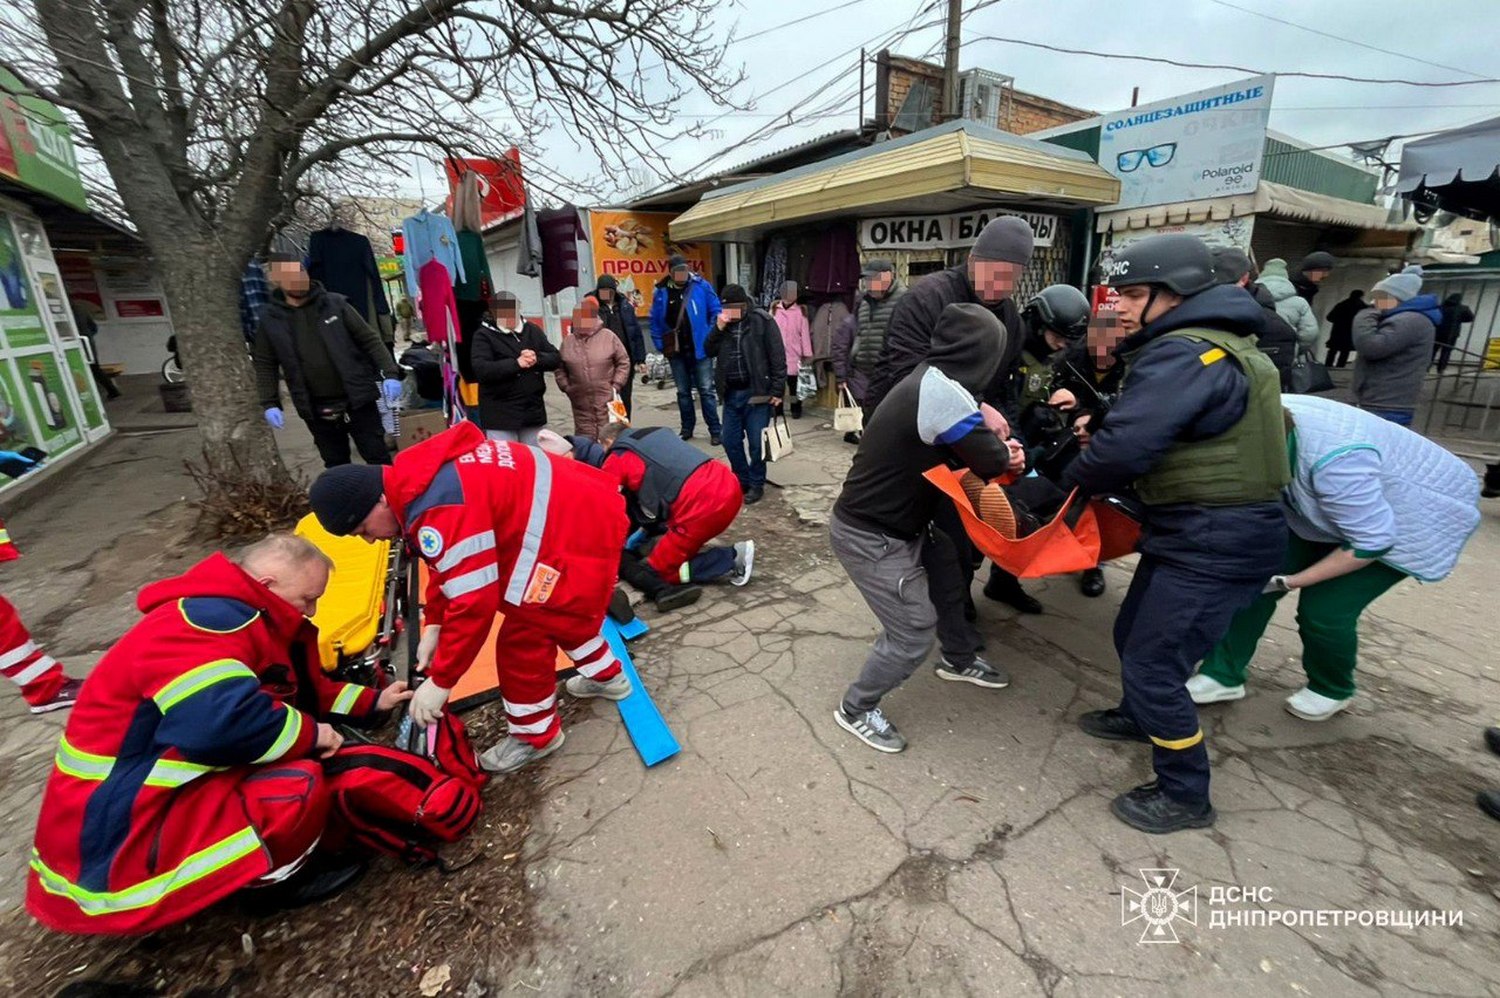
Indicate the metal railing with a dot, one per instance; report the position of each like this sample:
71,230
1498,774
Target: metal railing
1464,399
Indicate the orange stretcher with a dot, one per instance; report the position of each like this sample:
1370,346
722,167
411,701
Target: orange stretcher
1100,534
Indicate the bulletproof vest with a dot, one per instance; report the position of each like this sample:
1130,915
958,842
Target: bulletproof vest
1247,463
869,336
669,461
1033,378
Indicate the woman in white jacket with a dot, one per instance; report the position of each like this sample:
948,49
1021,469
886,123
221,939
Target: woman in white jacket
1289,305
1370,504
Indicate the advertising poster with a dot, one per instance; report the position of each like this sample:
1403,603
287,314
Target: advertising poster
1225,232
88,392
33,406
632,247
20,315
1201,145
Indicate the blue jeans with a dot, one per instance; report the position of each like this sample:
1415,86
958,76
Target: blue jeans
744,422
688,372
1401,417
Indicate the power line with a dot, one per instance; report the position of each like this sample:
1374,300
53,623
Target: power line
1214,65
1341,38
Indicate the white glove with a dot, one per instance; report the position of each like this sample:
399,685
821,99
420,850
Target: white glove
426,704
1278,584
427,646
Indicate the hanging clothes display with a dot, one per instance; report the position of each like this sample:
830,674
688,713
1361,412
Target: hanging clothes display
344,263
430,237
835,261
439,307
255,295
529,259
826,319
472,291
774,272
560,229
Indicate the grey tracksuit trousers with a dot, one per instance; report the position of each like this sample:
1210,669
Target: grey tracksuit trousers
916,591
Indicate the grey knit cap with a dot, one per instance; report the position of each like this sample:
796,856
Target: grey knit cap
1006,239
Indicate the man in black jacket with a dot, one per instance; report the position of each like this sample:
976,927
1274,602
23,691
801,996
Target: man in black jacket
334,364
1198,432
751,373
511,359
618,315
881,526
1276,339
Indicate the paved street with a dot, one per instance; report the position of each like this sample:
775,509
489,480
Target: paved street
777,855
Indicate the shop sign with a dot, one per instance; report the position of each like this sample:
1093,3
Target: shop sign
954,231
36,147
1200,145
633,248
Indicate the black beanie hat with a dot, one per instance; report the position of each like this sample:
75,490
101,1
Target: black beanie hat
344,495
608,281
734,294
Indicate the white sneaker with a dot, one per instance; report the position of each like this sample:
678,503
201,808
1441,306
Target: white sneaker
510,753
1205,689
744,562
583,687
1312,706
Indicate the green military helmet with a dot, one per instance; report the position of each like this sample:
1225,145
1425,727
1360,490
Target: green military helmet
1061,308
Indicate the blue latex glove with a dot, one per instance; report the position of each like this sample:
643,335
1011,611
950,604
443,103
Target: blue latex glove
392,388
10,455
276,418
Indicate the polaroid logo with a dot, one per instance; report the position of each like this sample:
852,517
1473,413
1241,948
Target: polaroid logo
1227,171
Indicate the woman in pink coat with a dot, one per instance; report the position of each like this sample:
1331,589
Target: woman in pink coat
796,336
594,367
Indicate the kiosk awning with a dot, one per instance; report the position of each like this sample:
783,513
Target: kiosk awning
1275,200
942,169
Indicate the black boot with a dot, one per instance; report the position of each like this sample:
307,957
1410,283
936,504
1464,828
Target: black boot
1006,588
676,597
1112,724
1489,803
1149,809
796,408
1091,582
1491,488
851,438
643,577
320,878
1492,739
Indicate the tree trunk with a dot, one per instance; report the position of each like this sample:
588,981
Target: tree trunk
202,287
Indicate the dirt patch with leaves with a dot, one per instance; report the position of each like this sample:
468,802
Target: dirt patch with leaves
399,931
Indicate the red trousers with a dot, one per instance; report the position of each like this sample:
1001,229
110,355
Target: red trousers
288,803
38,674
526,661
708,503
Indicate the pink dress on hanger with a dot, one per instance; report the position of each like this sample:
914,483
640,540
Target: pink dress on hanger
439,307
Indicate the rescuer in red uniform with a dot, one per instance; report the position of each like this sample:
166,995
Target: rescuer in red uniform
23,662
190,767
504,528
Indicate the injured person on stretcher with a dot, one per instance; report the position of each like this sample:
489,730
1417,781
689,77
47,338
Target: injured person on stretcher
202,760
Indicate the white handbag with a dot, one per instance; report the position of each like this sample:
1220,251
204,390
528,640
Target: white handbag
776,439
848,417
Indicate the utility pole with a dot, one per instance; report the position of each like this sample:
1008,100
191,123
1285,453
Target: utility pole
950,61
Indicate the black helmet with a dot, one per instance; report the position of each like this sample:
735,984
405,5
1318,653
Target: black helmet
1061,308
1180,263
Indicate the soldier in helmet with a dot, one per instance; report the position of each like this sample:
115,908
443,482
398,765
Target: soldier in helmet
1057,317
1198,431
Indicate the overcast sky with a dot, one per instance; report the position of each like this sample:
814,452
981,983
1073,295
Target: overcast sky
804,69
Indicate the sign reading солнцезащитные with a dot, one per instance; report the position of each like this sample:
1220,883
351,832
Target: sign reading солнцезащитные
952,231
1197,146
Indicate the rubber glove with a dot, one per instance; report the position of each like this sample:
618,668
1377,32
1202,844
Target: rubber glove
276,418
10,455
427,646
392,388
427,703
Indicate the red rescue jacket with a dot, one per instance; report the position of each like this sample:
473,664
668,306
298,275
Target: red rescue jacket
505,527
140,823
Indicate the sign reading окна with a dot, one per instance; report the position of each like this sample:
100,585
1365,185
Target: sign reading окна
951,231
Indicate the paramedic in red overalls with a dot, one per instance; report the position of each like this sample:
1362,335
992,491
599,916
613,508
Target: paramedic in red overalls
674,488
39,675
190,767
503,528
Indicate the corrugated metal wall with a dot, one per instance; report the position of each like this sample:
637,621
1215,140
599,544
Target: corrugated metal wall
1309,171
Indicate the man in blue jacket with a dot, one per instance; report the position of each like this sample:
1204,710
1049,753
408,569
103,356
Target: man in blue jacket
1198,431
683,312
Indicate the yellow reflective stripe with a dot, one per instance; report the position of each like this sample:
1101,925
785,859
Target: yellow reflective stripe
80,764
212,630
199,679
1179,743
291,729
176,772
1212,356
4,536
199,865
347,698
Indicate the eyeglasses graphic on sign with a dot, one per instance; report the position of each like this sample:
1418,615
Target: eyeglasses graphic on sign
1131,160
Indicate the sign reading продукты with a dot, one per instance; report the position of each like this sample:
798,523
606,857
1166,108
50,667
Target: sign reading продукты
1200,145
954,231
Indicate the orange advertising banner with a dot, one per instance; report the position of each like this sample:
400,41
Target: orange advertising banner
632,247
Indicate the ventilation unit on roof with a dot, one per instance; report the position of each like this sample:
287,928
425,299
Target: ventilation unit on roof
979,93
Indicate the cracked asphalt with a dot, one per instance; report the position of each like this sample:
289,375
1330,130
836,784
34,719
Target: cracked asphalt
777,855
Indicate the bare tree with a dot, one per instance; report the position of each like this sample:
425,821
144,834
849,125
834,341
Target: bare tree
215,117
